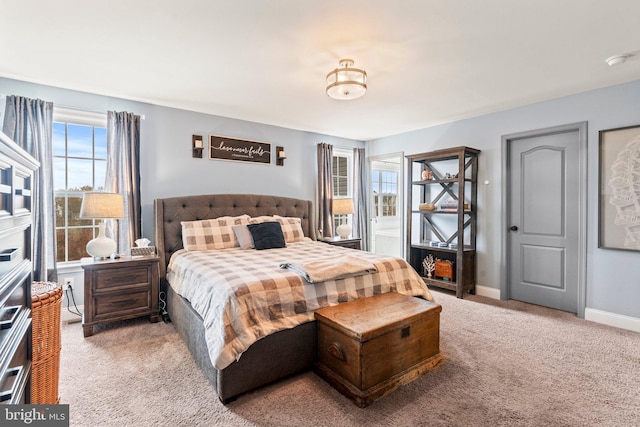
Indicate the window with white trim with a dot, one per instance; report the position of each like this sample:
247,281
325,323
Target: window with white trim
79,165
342,180
385,192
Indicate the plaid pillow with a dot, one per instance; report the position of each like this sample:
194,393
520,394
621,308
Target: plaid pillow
291,228
260,219
211,233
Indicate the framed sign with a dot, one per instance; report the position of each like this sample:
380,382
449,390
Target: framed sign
224,148
619,189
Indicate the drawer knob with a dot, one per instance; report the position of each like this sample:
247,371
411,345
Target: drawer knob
9,316
118,280
335,349
123,302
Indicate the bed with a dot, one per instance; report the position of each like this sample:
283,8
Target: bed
270,357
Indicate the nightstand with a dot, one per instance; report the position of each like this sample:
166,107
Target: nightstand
120,289
345,243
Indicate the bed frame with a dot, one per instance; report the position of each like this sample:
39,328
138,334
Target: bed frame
273,357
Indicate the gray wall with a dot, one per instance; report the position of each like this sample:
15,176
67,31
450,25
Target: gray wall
613,276
167,166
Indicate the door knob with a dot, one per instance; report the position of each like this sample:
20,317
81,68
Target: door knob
513,228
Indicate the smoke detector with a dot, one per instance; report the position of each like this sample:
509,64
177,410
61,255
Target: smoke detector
618,59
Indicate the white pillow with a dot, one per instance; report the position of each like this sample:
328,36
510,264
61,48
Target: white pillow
245,240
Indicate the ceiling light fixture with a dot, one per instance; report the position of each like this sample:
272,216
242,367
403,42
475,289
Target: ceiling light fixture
346,82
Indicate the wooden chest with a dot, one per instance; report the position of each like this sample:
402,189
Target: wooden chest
371,346
444,270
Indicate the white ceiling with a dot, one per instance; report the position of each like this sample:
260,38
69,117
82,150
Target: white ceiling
428,61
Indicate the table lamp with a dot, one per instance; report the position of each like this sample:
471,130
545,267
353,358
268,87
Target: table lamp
343,207
102,206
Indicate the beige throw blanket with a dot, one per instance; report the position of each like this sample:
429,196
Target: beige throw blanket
331,268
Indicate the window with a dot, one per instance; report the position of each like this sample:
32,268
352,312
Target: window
385,192
79,165
342,178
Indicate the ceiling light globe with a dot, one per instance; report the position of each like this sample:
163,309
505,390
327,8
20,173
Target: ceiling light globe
344,91
346,82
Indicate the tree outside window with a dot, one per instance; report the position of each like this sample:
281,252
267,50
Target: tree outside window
79,164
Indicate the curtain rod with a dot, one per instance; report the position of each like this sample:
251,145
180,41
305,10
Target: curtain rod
84,110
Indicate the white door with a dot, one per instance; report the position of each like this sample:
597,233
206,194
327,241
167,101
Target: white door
544,211
386,205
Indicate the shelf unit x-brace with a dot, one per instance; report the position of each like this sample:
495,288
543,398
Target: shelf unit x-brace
427,221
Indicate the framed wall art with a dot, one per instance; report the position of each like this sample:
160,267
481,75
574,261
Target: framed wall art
619,189
225,148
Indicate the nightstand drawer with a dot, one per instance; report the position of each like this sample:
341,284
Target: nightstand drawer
108,305
122,277
350,244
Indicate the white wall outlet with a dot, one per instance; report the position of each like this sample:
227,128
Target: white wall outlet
67,283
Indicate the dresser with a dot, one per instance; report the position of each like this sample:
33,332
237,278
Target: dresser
120,289
17,170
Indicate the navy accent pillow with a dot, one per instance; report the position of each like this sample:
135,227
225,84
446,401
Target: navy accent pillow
267,235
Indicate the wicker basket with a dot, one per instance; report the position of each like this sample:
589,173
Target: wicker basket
46,302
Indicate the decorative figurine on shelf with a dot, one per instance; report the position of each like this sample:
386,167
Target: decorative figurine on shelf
429,265
426,175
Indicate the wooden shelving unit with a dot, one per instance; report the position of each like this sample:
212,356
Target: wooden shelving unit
440,178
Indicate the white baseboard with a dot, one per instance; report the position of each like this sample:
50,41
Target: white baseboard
67,317
485,291
612,319
591,314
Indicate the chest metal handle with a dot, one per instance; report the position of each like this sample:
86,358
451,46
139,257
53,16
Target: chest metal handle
335,349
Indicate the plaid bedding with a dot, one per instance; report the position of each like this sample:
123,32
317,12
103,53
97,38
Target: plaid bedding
244,295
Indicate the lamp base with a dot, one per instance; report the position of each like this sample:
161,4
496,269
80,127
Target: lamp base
101,247
344,230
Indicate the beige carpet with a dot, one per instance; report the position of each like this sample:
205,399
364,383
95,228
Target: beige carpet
506,363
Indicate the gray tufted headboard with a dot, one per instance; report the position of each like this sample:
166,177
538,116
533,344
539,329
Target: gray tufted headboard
171,211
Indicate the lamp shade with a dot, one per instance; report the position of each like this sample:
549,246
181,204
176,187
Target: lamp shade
102,205
342,206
